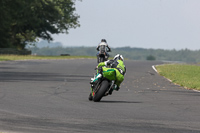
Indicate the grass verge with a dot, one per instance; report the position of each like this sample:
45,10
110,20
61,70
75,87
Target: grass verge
31,57
184,75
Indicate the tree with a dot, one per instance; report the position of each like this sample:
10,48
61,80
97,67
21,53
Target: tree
25,20
5,23
151,57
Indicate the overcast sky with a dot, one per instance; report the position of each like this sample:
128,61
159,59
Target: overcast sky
157,24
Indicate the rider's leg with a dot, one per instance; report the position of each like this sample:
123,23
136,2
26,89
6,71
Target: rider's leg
119,80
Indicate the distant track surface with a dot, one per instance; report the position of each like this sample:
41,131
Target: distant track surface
51,96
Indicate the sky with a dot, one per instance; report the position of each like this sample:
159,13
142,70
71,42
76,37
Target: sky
157,24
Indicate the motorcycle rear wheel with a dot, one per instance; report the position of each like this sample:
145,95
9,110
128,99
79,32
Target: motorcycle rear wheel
101,91
102,59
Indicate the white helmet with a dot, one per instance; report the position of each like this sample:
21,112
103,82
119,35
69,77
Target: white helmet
118,57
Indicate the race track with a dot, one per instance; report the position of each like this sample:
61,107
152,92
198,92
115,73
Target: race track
51,96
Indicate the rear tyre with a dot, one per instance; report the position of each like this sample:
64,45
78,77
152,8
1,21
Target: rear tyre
98,59
102,59
101,91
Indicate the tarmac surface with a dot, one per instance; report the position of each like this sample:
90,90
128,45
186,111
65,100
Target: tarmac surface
51,96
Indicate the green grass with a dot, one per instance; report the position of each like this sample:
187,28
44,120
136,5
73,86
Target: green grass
30,57
184,75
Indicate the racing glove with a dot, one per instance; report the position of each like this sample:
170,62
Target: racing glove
107,62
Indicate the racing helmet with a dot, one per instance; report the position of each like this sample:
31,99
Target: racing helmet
103,40
118,57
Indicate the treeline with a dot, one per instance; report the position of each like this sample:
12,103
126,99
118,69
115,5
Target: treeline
184,55
23,21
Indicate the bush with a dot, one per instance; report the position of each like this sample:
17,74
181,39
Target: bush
10,51
151,57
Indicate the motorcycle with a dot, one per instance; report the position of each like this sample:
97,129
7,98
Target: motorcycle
100,88
102,55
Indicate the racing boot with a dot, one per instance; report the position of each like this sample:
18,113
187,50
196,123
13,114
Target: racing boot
116,87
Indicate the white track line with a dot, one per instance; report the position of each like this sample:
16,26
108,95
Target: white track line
154,69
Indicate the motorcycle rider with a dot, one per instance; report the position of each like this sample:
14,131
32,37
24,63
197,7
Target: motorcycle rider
103,46
116,72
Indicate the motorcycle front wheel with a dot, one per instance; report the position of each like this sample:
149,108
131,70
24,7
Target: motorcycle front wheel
101,91
90,97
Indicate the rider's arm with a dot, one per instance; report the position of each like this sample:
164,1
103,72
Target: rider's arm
101,64
98,47
108,48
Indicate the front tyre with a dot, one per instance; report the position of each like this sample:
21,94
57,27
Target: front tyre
90,98
101,91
